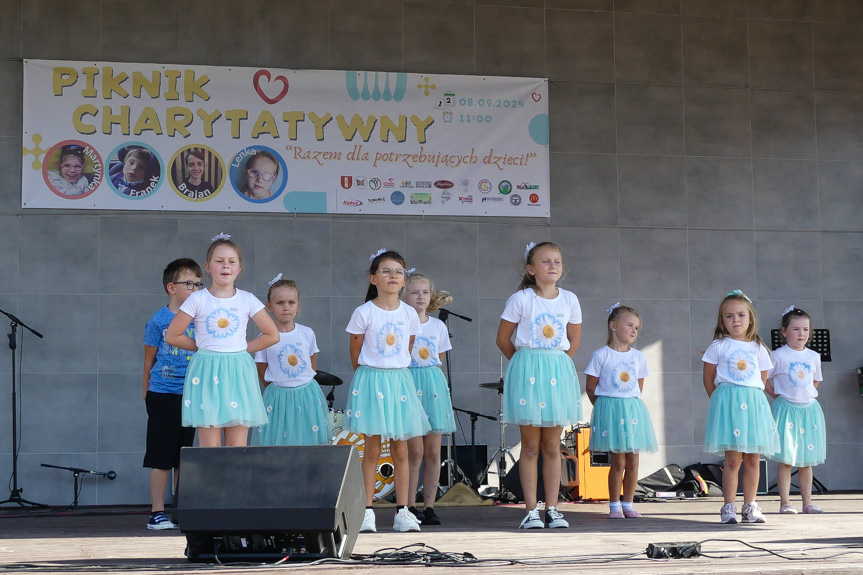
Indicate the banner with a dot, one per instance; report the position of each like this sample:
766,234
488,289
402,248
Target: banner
126,136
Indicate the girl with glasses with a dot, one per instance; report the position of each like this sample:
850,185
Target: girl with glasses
260,175
382,401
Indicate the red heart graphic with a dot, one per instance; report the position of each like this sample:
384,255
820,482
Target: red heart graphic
257,82
536,96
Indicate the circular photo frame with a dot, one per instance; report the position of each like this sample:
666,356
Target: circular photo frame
135,171
197,173
73,169
259,174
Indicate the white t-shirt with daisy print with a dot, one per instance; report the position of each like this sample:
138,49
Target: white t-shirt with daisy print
432,341
289,361
542,322
387,334
220,323
618,371
794,373
738,362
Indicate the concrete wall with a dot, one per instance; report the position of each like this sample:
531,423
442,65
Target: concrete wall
697,146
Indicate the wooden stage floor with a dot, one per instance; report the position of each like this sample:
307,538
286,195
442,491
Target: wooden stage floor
111,540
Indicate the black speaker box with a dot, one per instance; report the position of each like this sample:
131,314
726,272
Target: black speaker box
266,503
462,456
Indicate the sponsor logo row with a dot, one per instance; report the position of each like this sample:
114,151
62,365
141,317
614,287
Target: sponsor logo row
484,186
398,198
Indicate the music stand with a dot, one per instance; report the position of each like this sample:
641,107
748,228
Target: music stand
15,492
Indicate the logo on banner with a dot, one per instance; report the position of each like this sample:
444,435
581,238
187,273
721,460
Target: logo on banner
397,198
527,186
256,81
465,186
484,186
421,198
380,200
376,85
423,184
443,184
465,199
360,182
504,187
492,199
445,197
347,182
515,200
352,203
533,198
407,184
389,183
375,184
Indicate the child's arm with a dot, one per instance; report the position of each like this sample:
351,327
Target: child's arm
504,338
641,384
176,333
314,361
262,370
149,362
709,378
764,378
356,344
411,344
573,334
590,387
768,387
442,357
269,332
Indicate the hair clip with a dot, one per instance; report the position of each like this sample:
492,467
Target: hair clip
739,293
410,271
527,249
612,308
788,309
274,280
221,236
377,253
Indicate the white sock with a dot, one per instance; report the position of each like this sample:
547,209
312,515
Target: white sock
614,506
627,505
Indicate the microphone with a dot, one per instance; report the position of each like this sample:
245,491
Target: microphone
443,313
111,475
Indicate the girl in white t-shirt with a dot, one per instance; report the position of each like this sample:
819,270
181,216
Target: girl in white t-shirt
382,400
799,419
620,423
541,392
739,422
295,405
427,356
221,390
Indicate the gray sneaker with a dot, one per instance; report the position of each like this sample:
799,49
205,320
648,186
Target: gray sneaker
752,513
532,520
728,513
554,519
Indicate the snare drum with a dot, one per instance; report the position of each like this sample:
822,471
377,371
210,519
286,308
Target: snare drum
385,480
336,417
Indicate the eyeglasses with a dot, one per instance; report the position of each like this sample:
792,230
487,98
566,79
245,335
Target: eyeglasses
401,272
266,176
190,285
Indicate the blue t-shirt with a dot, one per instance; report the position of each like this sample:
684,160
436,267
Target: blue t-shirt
169,371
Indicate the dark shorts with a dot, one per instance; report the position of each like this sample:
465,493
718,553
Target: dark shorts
165,431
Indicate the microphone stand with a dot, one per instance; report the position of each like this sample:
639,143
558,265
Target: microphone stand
443,315
474,415
15,493
76,473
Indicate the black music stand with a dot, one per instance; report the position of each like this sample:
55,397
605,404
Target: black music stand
15,492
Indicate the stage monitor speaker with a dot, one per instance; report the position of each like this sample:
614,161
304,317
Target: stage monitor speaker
265,504
462,455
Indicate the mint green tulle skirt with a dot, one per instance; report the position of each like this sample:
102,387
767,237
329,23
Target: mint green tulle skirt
298,416
385,402
541,389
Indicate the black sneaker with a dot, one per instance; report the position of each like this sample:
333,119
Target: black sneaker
430,517
417,513
159,521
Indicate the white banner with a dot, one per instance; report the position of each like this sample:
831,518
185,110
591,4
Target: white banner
125,136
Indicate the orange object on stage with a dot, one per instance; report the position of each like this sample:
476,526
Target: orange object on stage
593,468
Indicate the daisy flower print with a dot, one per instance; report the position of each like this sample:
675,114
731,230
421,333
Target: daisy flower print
741,365
799,374
291,360
547,331
389,340
222,323
623,376
424,352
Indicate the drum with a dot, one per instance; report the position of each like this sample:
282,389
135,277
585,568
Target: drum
385,480
336,418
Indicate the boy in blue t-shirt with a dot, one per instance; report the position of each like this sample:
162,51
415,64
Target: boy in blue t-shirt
164,374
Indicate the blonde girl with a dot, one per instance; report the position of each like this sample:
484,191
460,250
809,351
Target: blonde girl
739,423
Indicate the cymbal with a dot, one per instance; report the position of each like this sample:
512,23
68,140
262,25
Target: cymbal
498,385
325,378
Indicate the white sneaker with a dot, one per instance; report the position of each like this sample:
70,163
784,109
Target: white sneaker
752,513
728,513
555,519
405,521
368,525
532,520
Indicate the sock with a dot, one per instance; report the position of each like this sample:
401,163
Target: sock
614,506
369,507
626,505
400,507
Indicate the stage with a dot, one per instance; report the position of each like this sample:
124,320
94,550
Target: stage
99,539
